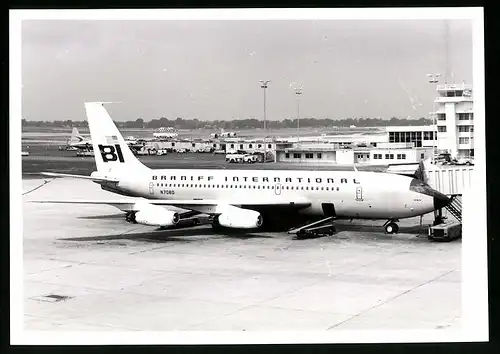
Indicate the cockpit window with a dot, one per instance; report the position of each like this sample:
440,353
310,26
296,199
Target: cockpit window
421,187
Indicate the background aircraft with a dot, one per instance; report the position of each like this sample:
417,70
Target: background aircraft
78,141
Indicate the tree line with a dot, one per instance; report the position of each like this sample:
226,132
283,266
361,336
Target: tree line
250,123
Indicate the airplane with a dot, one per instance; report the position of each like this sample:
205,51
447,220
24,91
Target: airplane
245,199
165,133
223,134
78,141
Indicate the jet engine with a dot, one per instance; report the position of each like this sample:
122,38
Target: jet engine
240,218
154,215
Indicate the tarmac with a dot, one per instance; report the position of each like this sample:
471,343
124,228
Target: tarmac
85,268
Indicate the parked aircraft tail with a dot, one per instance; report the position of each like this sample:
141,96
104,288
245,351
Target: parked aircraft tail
75,136
112,153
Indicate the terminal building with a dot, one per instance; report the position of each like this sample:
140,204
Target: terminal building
399,144
383,154
455,119
248,145
420,136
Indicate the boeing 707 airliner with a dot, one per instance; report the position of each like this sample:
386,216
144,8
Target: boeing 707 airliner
245,199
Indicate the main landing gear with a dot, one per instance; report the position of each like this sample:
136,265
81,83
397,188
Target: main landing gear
130,217
391,227
216,226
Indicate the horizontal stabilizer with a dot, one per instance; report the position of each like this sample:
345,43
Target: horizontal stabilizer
92,178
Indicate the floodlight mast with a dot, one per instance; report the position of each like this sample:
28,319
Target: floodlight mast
263,85
298,92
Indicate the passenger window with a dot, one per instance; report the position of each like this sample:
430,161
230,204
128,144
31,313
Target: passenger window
157,184
272,187
253,187
321,188
217,186
204,186
302,188
307,188
317,188
337,189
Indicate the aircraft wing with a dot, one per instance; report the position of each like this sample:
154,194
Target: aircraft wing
207,206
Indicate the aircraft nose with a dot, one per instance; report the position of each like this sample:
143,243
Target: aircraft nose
440,200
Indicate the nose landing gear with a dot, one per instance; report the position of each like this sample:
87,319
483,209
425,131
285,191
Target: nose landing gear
391,227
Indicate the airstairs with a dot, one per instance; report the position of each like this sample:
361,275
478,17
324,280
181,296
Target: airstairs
321,227
455,208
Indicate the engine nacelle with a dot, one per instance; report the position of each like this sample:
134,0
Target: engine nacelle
154,215
240,218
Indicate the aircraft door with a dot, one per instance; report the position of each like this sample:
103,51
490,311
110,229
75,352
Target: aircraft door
151,188
328,209
359,193
277,189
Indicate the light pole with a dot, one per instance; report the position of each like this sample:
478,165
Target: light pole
298,92
263,85
433,79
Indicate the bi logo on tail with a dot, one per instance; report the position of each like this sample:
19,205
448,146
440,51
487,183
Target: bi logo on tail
111,153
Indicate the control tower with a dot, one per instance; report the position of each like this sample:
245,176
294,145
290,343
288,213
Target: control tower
455,119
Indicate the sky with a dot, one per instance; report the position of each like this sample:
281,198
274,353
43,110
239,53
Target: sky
211,69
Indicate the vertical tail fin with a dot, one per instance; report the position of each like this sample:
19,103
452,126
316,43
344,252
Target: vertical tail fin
75,136
110,149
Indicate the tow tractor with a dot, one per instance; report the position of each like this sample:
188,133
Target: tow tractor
446,231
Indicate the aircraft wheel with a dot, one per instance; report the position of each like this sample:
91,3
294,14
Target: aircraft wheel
130,217
391,228
215,223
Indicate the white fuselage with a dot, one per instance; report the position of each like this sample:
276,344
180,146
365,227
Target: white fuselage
368,195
